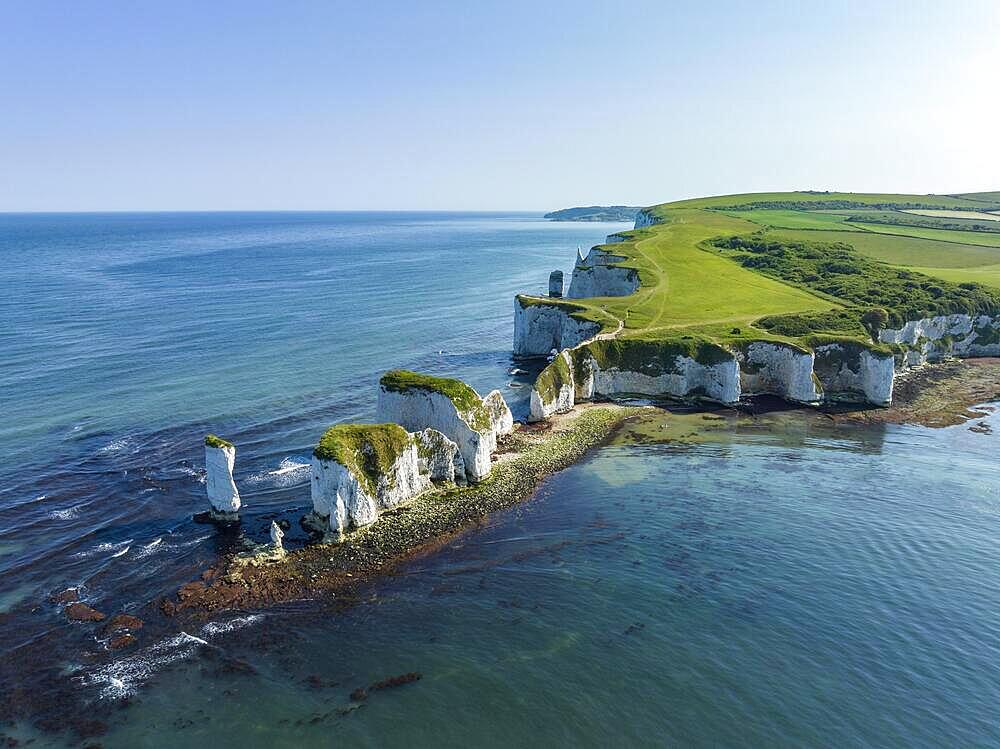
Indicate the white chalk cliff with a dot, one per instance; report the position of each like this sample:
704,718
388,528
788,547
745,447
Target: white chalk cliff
597,275
439,457
276,536
645,218
539,328
846,370
558,390
934,338
475,430
769,368
349,500
222,492
851,372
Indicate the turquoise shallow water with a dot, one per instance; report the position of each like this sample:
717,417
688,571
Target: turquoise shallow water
733,581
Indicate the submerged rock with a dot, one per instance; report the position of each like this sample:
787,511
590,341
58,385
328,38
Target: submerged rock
123,622
360,469
220,457
70,595
81,612
418,402
122,641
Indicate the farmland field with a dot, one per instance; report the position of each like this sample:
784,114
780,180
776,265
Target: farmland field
956,214
943,235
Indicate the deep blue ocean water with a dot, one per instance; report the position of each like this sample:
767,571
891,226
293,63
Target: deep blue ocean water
704,580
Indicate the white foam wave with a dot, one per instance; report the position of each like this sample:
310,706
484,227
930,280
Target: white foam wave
290,471
219,628
192,542
149,549
115,446
65,514
196,474
122,678
106,547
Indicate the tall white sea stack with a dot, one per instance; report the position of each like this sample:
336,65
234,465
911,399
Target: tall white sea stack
220,457
358,470
418,401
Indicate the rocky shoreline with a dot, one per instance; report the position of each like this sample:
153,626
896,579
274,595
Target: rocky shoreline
934,395
525,457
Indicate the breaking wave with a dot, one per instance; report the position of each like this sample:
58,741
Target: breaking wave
291,471
122,678
220,628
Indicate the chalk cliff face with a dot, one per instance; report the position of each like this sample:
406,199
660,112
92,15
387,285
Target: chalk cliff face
474,427
835,372
718,382
778,369
439,457
501,419
619,368
851,372
276,535
934,338
352,488
596,276
540,328
560,395
644,218
219,461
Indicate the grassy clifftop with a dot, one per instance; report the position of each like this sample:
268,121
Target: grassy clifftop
367,450
466,400
790,266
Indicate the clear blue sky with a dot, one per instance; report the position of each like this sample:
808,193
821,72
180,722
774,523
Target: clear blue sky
476,105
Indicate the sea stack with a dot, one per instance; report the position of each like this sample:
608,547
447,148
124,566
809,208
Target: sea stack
360,469
220,457
418,401
276,535
556,284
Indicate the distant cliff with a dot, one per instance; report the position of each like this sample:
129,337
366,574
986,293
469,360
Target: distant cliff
595,213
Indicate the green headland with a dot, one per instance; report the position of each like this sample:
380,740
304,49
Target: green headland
801,267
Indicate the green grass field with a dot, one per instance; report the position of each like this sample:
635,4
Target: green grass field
976,201
788,266
786,219
987,239
904,251
988,275
683,286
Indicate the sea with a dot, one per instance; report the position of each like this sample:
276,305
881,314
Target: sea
706,578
